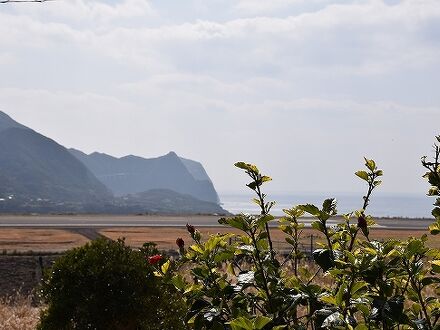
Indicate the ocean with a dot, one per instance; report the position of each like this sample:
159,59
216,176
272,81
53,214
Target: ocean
381,204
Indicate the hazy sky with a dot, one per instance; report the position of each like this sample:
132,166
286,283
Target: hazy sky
302,88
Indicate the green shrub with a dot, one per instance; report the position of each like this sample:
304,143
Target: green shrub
107,285
369,284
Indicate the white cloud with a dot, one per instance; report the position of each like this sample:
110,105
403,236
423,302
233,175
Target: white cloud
89,12
334,82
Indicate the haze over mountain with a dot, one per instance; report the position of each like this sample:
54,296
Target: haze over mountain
132,174
34,166
39,175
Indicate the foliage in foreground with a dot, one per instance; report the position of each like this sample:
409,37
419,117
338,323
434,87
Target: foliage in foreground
374,285
107,285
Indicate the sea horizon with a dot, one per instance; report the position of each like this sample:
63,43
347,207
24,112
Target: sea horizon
393,205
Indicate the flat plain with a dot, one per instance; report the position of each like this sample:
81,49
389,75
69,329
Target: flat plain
56,233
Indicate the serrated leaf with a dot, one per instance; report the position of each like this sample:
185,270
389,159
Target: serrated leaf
311,209
247,167
236,222
329,206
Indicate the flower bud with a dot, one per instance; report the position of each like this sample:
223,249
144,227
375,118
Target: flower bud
180,243
362,222
190,229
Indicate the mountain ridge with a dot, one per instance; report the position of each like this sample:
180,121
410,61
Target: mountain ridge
134,174
37,174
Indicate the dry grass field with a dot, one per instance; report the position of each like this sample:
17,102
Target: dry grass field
17,313
165,237
57,240
36,240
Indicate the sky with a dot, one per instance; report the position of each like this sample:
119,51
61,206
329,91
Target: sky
302,88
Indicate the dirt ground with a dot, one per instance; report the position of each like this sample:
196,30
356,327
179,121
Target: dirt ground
20,240
37,240
166,237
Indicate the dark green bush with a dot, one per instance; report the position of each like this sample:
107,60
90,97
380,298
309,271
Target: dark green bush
107,285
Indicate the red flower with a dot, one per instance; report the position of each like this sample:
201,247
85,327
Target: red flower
180,243
154,259
190,229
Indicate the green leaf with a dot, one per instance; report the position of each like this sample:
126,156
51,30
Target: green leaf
178,282
261,222
370,164
197,248
415,246
363,175
241,323
430,280
290,241
328,300
223,256
236,222
230,269
247,167
361,327
261,321
265,178
318,226
435,266
324,258
165,266
339,298
434,228
311,209
329,206
357,287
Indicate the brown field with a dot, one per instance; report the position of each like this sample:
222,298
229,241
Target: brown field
165,237
48,240
57,240
19,314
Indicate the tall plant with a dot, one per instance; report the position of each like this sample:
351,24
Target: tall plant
240,282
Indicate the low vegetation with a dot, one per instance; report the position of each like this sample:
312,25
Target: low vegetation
239,281
17,313
371,284
106,285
